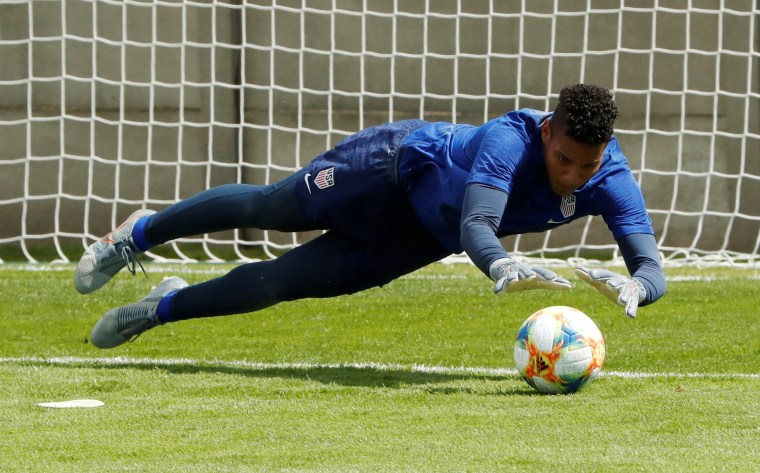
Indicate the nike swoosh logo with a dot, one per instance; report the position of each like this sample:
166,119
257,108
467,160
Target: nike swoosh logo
306,179
557,222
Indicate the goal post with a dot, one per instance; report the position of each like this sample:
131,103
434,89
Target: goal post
108,106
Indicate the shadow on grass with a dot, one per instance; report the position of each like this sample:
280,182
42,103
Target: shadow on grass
435,382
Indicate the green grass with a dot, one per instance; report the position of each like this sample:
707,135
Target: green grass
384,380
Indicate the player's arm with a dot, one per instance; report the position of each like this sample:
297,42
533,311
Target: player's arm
481,214
642,258
647,282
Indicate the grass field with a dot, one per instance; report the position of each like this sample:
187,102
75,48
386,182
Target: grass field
415,376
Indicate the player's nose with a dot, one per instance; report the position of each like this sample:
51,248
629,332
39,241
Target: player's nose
573,179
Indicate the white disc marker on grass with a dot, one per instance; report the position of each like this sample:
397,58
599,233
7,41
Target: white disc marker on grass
72,404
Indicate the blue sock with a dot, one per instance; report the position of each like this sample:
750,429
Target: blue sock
138,235
164,308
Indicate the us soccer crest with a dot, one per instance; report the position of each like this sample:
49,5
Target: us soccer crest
325,178
567,206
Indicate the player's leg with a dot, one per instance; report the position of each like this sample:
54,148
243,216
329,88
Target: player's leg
343,188
231,206
349,182
221,208
332,264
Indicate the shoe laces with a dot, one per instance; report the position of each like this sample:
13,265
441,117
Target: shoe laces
132,260
135,320
140,329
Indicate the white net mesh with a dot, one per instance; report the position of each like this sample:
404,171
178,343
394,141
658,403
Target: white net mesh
110,106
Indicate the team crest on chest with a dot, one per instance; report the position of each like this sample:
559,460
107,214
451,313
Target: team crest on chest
567,206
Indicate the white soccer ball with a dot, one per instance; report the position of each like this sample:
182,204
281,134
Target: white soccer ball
559,350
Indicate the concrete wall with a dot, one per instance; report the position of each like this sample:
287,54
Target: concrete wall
168,82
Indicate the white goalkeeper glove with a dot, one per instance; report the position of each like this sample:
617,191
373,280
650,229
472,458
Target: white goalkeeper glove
511,276
622,290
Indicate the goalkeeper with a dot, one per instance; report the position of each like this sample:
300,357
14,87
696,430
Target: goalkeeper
397,197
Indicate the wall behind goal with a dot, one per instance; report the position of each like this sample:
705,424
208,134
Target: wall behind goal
109,106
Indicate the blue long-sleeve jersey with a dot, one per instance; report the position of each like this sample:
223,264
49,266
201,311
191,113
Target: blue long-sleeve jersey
440,161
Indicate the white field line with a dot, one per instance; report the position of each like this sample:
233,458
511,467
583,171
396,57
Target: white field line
256,366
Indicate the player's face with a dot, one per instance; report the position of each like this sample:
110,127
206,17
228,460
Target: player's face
569,163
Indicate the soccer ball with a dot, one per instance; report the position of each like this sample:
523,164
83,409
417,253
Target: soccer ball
559,350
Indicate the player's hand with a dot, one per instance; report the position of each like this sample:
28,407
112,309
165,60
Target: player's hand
622,290
511,276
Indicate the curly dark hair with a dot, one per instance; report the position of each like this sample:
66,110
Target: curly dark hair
586,113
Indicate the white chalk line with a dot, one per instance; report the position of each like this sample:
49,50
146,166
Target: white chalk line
413,368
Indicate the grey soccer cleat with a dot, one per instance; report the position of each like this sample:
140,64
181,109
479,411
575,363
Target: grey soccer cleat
107,256
126,323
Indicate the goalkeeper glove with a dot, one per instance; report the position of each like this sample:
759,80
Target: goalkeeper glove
511,276
623,291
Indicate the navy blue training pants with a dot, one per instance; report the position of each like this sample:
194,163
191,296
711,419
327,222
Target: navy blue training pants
352,191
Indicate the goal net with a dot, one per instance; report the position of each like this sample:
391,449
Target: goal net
110,106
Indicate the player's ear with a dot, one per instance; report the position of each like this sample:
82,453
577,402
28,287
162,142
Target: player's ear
546,131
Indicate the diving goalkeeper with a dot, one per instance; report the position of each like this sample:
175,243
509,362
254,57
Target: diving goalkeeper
394,198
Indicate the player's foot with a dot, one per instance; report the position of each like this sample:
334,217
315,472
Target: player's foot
126,323
106,257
